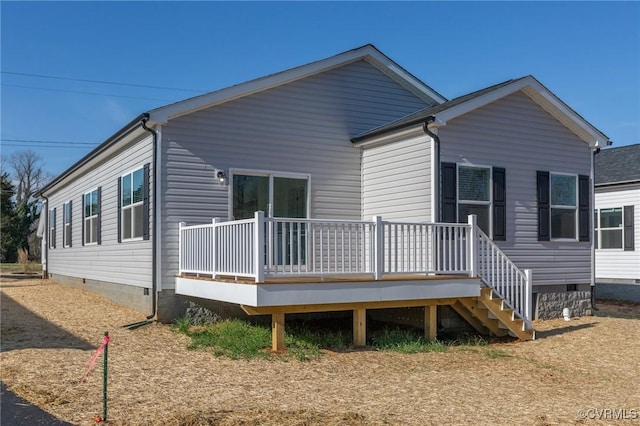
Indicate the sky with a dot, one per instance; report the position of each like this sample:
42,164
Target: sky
138,54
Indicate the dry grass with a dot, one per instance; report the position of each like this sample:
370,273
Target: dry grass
49,332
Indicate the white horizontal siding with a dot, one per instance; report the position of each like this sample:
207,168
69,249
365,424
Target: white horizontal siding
517,134
122,263
302,127
620,264
396,179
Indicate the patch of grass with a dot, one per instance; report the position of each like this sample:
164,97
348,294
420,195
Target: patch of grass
405,341
493,353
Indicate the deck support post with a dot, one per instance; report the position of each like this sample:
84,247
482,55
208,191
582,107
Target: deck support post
473,245
359,327
431,322
277,332
378,245
258,244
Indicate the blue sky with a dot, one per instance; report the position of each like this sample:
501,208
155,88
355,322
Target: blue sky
587,53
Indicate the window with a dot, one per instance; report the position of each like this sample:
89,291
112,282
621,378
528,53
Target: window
474,195
91,221
563,192
564,209
614,229
52,228
66,232
133,205
475,190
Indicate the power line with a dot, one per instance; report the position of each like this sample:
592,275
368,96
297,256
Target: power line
83,93
101,81
46,143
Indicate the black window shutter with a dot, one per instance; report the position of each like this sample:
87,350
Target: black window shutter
119,218
99,215
628,229
448,199
584,212
54,228
145,204
499,204
69,243
83,207
544,231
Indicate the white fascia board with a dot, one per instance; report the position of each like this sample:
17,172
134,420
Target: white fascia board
390,137
369,53
539,94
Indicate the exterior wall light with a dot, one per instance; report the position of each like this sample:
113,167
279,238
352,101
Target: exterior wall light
221,176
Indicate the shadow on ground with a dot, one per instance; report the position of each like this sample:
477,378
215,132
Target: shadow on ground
563,330
23,329
17,411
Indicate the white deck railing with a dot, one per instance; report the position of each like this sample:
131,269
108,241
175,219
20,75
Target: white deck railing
265,247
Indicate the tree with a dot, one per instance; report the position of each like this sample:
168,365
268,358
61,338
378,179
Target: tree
8,247
29,177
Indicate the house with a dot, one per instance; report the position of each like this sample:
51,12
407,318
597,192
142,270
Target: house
617,222
343,184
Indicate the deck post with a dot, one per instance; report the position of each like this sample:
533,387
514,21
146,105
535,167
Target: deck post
258,243
180,253
214,246
528,298
378,246
431,322
359,327
277,332
472,245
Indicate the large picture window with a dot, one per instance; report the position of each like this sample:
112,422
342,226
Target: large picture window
66,233
563,193
91,219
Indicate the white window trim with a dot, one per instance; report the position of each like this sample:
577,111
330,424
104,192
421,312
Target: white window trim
271,175
52,228
598,230
471,202
87,219
130,206
564,207
66,206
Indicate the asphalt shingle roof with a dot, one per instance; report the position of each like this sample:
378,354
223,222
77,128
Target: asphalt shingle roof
621,164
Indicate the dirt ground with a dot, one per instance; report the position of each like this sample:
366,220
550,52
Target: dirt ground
568,375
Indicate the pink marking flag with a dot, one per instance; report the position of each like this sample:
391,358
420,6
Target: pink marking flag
92,361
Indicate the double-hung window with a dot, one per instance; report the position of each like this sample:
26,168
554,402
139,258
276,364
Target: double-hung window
615,228
474,195
564,206
132,203
66,232
52,228
91,221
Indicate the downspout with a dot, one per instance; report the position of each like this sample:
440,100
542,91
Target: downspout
45,271
154,260
436,184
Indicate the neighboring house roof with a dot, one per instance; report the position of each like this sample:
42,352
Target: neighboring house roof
438,115
617,165
367,52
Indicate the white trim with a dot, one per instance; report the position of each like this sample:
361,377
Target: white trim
130,207
435,190
155,207
85,218
65,243
565,207
489,203
598,230
369,53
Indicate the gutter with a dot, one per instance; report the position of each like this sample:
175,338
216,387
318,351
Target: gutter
154,240
436,184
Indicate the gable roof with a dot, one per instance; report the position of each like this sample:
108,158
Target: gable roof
438,115
617,165
367,53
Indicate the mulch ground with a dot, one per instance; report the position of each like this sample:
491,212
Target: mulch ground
49,332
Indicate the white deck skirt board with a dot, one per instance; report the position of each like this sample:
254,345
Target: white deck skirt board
262,295
243,294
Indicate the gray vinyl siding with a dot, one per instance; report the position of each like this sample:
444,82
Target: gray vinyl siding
396,179
126,263
617,263
517,134
301,127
